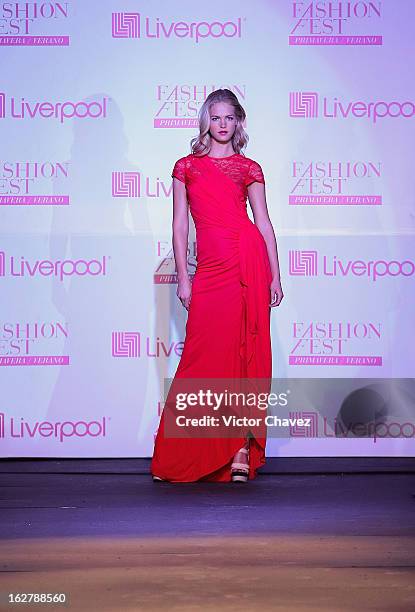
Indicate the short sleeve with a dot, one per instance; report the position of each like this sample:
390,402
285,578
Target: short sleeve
179,170
254,173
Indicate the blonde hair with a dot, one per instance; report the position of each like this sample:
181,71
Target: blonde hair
201,144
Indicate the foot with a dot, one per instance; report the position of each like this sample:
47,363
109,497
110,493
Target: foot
240,465
158,479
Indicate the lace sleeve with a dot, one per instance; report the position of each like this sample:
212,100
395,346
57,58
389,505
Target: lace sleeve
179,170
254,174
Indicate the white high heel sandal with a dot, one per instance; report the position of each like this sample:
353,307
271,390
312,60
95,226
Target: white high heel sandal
240,471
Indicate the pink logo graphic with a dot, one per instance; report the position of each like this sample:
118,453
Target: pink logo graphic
330,343
335,200
125,344
166,272
35,360
60,430
302,431
21,178
31,343
19,21
126,25
128,344
303,263
322,23
1,424
303,104
59,268
320,182
172,112
336,40
34,200
336,360
126,184
20,108
34,41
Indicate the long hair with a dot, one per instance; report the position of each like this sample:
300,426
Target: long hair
201,144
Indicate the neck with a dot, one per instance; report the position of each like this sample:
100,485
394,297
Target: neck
221,151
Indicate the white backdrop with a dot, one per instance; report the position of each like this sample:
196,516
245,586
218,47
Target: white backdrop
97,101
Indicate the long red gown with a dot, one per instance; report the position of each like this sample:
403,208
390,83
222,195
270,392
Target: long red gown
228,324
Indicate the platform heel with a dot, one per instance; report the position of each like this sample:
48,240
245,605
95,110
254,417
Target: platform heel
240,471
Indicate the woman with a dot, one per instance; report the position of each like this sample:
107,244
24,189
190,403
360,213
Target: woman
236,282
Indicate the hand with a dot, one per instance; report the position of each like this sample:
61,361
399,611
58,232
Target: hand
276,293
184,291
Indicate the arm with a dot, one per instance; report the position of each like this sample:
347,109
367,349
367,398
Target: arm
180,227
257,200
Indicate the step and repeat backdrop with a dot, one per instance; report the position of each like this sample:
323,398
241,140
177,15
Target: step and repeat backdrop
98,99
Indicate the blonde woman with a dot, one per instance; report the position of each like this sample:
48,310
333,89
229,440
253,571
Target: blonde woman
229,300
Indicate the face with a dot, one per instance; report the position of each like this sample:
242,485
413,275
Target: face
222,121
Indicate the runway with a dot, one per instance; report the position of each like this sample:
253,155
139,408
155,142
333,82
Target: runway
115,540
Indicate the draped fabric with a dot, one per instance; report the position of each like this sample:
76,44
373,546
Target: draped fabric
228,324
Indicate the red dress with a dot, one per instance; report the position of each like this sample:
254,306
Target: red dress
228,324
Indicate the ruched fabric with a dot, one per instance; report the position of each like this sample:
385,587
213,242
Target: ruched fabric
228,324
